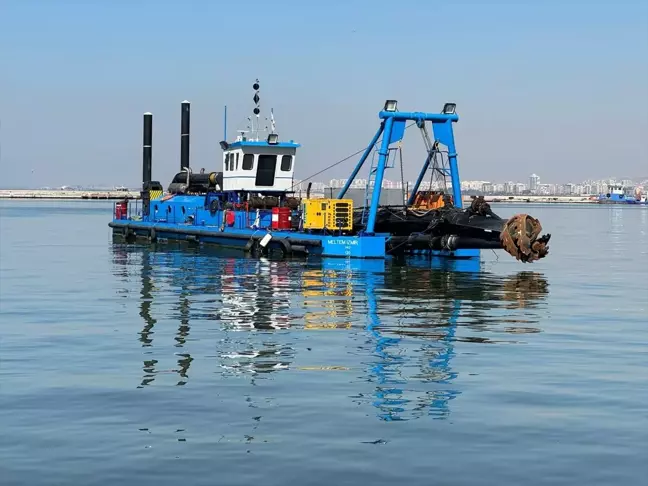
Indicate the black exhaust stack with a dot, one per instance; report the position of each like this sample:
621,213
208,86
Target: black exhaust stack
147,144
148,185
184,135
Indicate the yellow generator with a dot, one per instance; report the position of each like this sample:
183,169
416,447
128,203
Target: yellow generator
331,214
314,213
339,215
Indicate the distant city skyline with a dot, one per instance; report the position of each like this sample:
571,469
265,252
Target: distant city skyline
468,187
533,187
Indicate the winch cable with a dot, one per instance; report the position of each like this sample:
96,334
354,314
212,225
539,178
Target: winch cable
430,147
342,160
433,152
400,153
435,169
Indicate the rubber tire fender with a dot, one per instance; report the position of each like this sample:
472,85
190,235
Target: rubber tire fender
213,207
250,245
286,247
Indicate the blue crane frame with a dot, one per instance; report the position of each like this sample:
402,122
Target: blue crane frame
392,129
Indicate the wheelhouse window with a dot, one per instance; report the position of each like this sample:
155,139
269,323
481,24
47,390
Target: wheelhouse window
248,161
237,159
267,165
286,163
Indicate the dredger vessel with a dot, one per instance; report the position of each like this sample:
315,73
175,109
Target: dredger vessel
252,204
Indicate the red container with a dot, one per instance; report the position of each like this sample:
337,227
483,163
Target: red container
281,218
121,210
230,217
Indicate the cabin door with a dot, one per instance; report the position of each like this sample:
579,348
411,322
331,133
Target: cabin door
266,167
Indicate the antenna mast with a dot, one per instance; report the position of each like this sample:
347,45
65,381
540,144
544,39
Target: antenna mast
256,110
272,121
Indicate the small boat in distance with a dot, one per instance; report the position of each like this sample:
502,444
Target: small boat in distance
619,194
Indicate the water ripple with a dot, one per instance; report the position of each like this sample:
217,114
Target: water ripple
170,364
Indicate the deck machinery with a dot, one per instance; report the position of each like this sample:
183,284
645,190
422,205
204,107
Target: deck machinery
252,203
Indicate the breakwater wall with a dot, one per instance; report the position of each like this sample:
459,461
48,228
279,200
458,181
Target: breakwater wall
538,199
62,194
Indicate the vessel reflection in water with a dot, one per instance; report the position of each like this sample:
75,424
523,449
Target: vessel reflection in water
417,381
391,330
242,295
255,299
127,264
327,294
416,313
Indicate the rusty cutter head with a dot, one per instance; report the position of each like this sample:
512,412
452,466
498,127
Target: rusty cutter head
519,238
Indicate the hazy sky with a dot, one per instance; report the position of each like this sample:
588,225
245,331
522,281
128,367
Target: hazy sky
553,87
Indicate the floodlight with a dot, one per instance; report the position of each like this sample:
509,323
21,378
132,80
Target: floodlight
273,139
390,105
449,108
224,145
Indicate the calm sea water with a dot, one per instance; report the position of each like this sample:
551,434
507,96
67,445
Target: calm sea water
155,365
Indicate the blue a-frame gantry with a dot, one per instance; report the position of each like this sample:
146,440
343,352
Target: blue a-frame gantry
392,129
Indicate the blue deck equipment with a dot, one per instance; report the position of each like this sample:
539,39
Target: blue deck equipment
252,205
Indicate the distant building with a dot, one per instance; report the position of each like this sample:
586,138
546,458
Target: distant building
475,186
569,189
545,189
534,182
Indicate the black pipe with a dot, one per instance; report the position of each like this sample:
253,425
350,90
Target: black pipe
147,144
463,242
184,135
446,242
213,179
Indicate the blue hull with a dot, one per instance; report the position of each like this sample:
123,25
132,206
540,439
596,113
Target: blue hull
616,199
285,242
